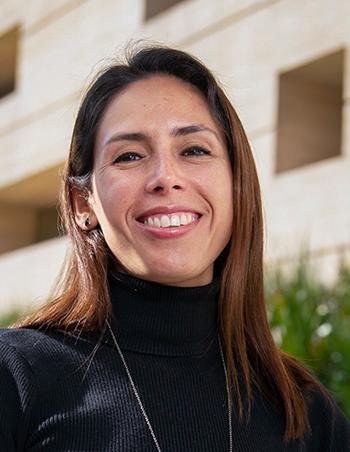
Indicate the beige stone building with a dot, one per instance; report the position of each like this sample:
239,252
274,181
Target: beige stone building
284,63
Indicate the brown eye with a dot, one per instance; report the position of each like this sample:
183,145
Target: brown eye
196,151
128,157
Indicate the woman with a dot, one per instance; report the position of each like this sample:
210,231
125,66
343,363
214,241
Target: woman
157,338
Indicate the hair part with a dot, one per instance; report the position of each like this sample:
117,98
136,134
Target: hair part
81,301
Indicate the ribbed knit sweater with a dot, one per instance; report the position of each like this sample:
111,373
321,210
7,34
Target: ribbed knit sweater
61,392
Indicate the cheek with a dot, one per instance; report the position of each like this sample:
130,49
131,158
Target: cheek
219,183
113,201
216,185
224,202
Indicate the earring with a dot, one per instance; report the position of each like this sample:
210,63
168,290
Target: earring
87,222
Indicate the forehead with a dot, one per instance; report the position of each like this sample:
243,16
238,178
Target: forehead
156,101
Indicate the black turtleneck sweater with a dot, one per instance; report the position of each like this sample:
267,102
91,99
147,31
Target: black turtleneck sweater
60,392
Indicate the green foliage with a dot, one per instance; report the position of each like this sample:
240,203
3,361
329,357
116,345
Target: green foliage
10,317
311,321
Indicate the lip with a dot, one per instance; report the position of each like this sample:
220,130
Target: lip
166,210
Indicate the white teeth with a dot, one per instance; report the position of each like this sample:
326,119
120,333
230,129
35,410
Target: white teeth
156,222
166,221
175,220
183,219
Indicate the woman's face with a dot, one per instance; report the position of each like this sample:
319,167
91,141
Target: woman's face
162,183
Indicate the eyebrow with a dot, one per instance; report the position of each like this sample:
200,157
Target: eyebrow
176,132
193,128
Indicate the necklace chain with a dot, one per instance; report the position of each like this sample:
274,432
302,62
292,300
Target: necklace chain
142,408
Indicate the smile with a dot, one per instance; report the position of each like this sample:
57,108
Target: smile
173,220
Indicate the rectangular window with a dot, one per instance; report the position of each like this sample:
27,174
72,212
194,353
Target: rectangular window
155,7
28,210
310,112
46,224
8,60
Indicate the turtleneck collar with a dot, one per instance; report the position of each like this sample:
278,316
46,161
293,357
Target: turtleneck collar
164,320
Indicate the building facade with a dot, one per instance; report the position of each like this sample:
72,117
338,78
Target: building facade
284,64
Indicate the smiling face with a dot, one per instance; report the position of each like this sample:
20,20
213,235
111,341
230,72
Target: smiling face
161,183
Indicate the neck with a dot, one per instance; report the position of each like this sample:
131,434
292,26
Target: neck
153,318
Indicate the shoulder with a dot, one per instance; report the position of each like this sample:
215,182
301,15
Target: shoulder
329,427
17,344
19,336
32,360
41,352
30,342
17,380
24,343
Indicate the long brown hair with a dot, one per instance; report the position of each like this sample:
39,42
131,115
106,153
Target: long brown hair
81,299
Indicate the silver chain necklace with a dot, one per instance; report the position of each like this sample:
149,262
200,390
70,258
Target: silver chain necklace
142,408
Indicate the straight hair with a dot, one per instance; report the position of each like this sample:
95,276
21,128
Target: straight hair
80,301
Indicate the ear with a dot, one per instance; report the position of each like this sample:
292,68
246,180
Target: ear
84,214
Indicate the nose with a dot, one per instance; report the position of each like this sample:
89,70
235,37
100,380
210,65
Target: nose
165,177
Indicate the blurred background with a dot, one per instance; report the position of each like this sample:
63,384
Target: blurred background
285,66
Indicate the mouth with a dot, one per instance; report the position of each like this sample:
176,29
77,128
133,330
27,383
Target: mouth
160,224
174,220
